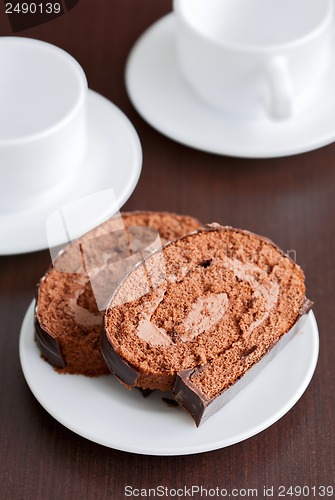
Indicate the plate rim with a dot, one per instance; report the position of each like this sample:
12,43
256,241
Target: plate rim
27,325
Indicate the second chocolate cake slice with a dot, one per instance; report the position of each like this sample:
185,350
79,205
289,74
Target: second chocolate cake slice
73,293
195,317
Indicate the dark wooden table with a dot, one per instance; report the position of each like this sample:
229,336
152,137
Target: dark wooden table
291,200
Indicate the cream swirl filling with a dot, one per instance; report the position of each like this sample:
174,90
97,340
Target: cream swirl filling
81,315
204,314
268,291
207,311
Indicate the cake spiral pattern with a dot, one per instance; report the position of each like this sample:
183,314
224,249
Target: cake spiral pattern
195,317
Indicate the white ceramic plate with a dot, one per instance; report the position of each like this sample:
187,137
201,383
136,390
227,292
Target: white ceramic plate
165,100
113,162
102,410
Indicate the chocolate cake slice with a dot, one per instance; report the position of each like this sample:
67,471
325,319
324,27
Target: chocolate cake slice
199,316
72,295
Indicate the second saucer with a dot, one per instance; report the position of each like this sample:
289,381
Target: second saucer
162,96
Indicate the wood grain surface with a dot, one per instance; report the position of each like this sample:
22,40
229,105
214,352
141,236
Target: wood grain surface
291,200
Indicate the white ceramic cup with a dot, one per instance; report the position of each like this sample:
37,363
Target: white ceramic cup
254,58
43,94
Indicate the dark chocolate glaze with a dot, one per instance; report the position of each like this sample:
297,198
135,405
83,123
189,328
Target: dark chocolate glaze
48,346
117,365
46,342
145,392
200,406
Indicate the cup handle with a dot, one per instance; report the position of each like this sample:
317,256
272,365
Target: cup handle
280,88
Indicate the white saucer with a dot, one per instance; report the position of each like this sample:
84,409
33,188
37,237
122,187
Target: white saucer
102,410
113,161
165,100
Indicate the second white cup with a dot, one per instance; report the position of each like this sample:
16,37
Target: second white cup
254,58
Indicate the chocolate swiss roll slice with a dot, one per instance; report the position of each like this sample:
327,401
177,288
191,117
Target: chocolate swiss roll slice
72,295
199,316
